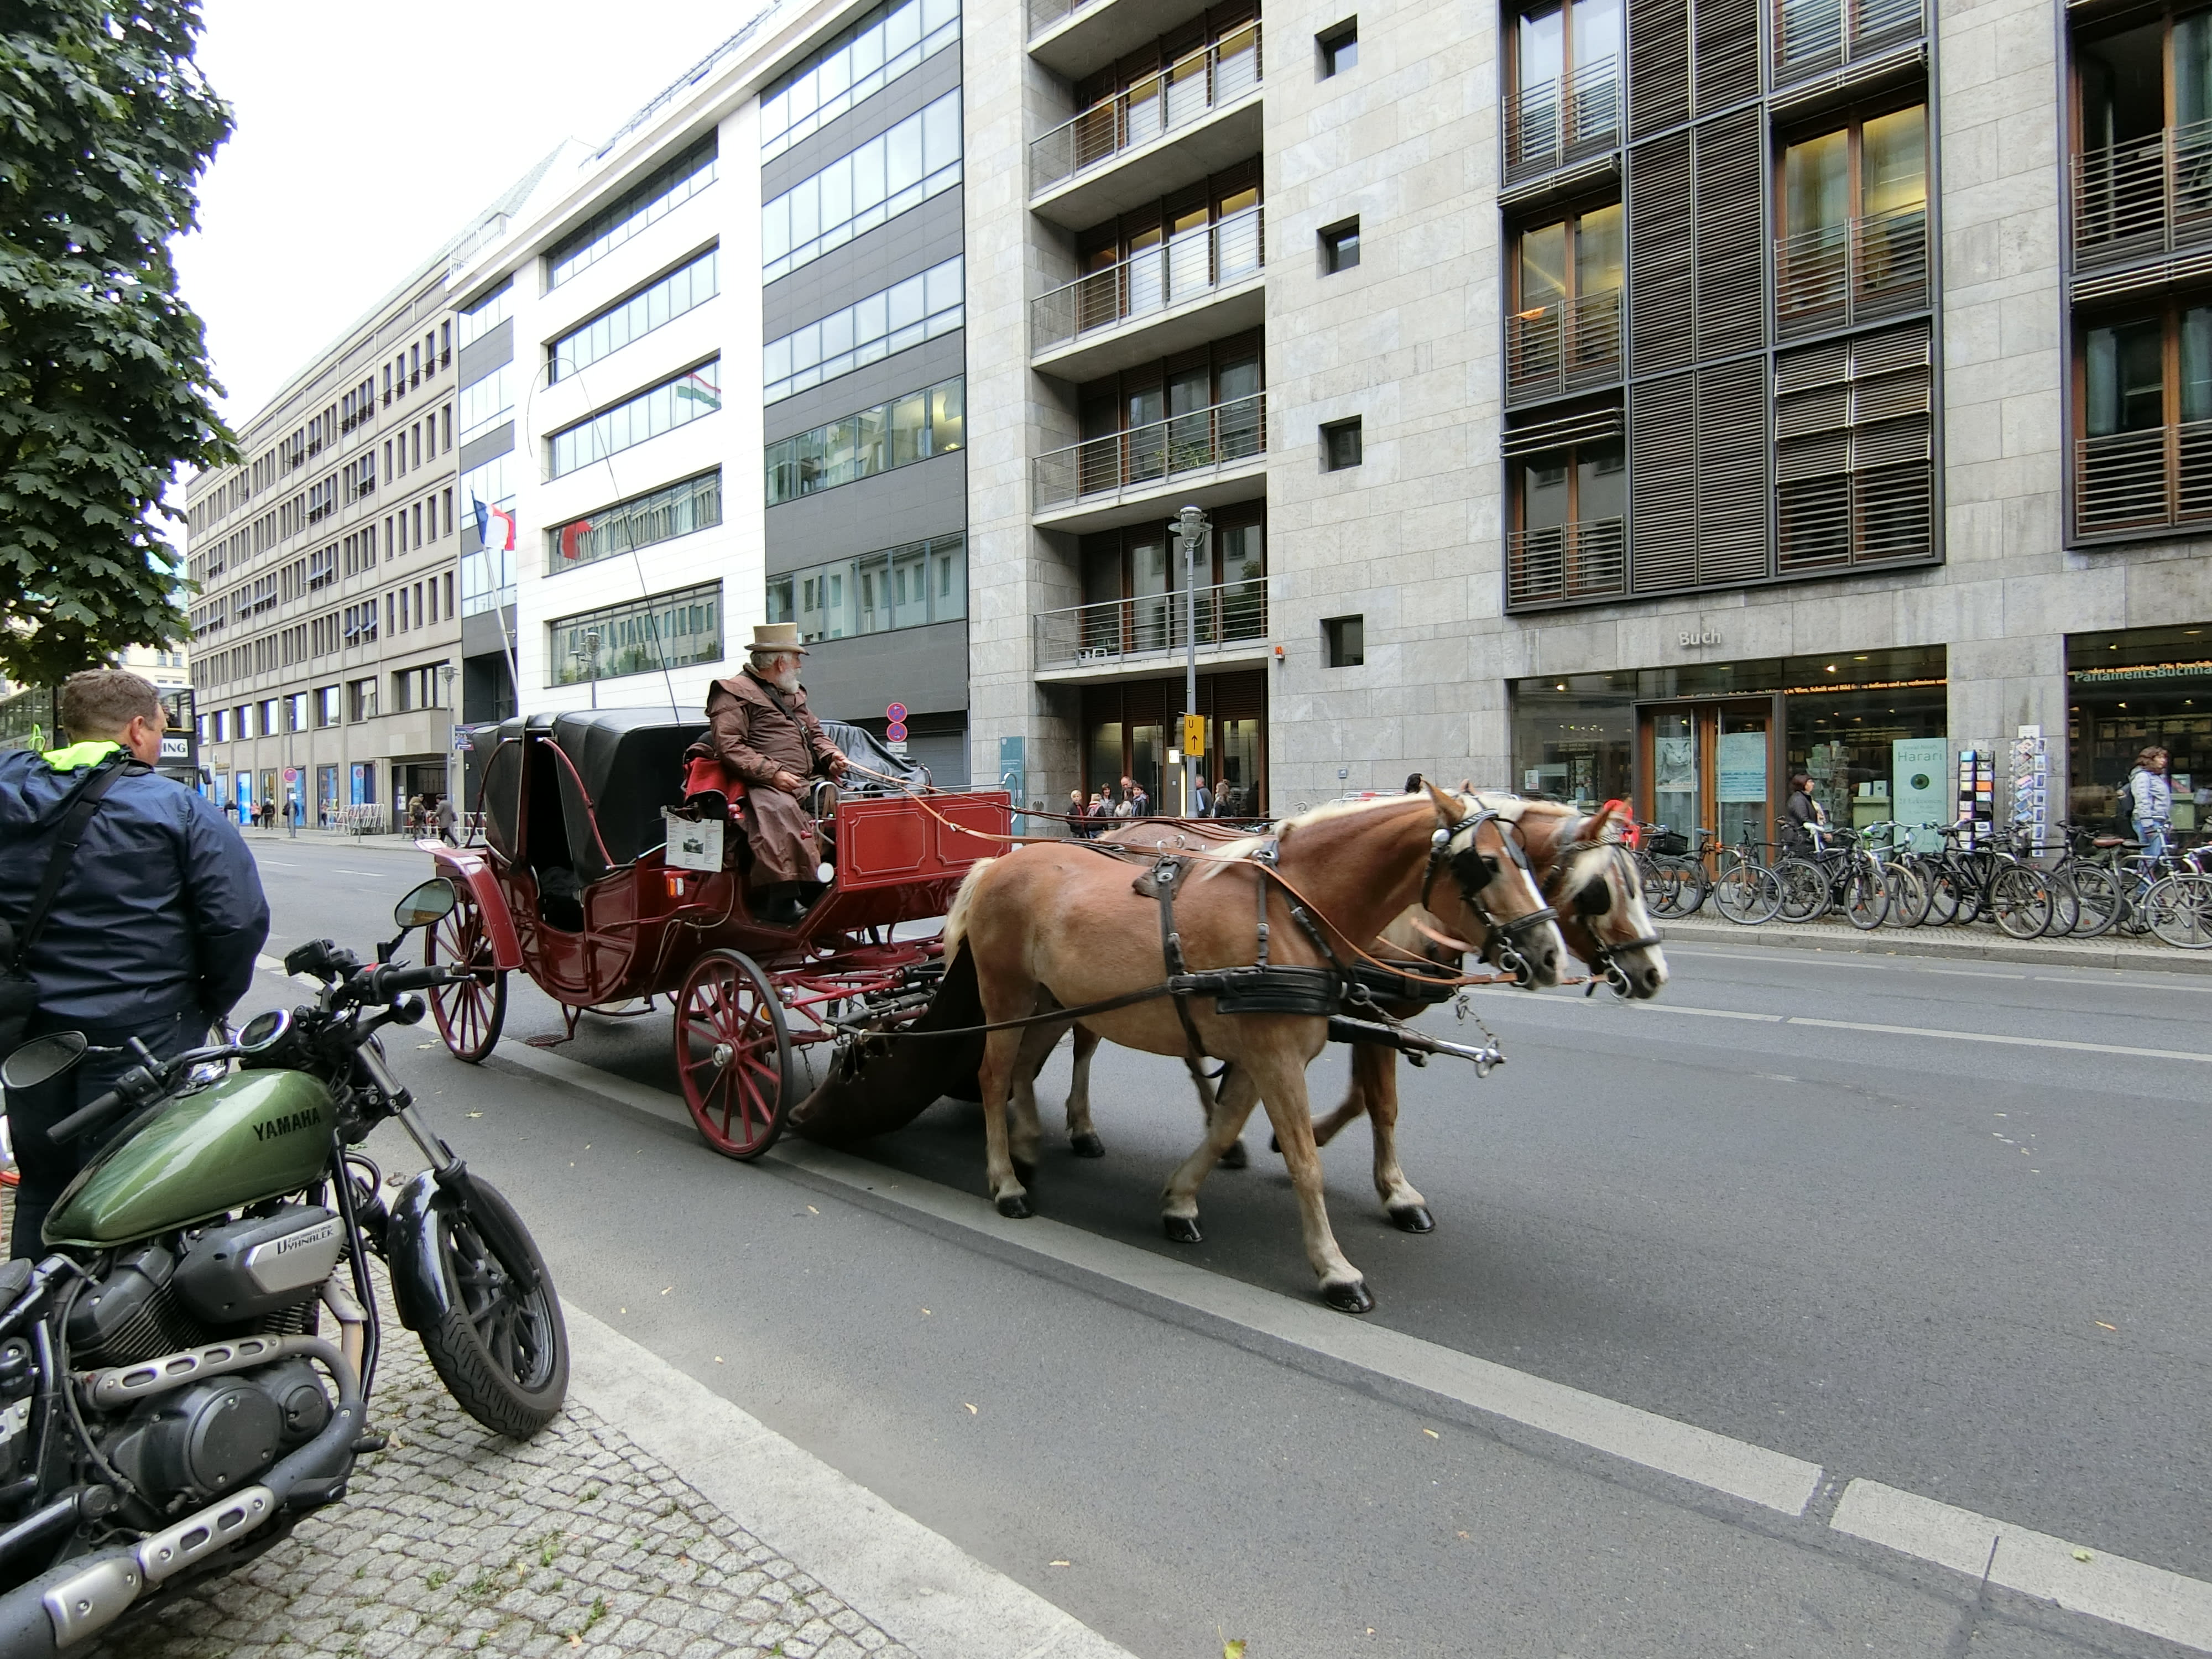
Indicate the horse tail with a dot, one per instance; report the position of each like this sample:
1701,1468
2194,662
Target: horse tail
955,922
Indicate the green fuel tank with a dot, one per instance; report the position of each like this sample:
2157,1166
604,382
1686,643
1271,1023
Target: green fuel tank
249,1136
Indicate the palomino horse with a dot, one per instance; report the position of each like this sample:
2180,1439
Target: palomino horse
1056,925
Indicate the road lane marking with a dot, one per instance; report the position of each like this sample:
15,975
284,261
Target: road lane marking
1770,1479
1969,973
2015,1042
2108,1587
2122,1592
2198,984
2127,984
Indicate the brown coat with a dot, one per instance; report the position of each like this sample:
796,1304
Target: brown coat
755,739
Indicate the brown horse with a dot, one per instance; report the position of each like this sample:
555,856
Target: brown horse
1057,926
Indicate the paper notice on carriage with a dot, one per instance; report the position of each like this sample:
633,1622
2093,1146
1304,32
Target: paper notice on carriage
693,843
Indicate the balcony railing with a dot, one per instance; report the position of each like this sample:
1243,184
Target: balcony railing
1176,96
1043,13
1116,628
1203,440
2148,195
2147,479
1813,35
1837,276
1185,267
1561,120
1587,560
1560,347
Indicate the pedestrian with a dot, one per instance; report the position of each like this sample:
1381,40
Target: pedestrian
1228,800
1799,811
449,821
1201,798
1141,804
2149,799
1126,807
1075,813
153,929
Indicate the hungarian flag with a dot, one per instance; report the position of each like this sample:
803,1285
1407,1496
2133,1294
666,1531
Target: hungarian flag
698,389
493,521
572,538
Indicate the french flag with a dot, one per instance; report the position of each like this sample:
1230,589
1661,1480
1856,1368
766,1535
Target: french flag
493,522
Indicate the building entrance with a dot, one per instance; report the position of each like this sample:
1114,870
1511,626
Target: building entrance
1127,730
1708,765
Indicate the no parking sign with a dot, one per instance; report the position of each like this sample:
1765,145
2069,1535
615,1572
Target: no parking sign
895,730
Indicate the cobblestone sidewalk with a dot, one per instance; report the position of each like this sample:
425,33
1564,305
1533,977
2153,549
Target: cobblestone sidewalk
456,1538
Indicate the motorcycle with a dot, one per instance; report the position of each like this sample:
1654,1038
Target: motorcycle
170,1405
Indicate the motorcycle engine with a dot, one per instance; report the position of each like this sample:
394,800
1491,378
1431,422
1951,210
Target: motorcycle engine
210,1437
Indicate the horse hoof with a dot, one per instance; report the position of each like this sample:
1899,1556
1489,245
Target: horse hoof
1024,1172
1181,1229
1412,1218
1351,1298
1275,1143
1236,1157
1087,1145
1014,1207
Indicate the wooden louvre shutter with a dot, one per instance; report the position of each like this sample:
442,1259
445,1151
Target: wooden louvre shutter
1662,484
1661,244
1658,65
1726,33
1729,179
1853,464
1732,450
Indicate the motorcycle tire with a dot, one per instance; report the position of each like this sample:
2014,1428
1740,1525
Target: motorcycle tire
503,1356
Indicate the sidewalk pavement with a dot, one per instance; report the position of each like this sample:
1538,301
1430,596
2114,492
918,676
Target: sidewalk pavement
1980,942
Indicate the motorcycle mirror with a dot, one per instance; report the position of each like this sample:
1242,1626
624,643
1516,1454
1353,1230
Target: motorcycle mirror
43,1059
432,901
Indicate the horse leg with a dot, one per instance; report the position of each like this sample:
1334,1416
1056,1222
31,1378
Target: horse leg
1408,1209
1038,1043
1357,1094
1233,1156
1223,1123
1001,1053
1282,1085
1081,1135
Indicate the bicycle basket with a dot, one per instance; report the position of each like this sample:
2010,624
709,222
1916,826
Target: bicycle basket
1668,845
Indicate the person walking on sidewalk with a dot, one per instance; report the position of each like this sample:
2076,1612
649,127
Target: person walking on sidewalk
449,821
1799,812
2149,800
152,930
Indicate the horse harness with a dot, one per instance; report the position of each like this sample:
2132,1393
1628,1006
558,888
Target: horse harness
1603,953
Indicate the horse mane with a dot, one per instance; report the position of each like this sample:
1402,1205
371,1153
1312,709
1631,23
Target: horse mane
1229,852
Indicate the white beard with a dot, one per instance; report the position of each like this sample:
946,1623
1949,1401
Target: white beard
782,673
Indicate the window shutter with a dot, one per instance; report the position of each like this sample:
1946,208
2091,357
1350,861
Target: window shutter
1729,215
1732,450
1658,65
1662,484
1726,34
1853,466
1661,241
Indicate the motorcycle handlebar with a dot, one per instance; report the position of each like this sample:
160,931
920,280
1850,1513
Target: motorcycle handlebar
384,983
88,1118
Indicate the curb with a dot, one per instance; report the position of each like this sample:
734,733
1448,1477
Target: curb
1947,943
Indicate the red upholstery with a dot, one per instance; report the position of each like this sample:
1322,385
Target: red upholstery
705,775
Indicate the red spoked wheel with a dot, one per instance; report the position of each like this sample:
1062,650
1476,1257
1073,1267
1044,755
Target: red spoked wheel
733,1053
469,1011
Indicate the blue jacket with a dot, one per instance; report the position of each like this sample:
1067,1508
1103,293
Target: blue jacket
161,911
2151,796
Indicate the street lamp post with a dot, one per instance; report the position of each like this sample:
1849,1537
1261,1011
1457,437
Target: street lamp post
1190,528
452,761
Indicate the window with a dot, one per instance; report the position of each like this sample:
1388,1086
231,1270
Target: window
1339,48
904,314
1563,321
904,586
417,687
1568,502
669,630
295,712
632,319
326,705
487,314
659,194
1564,98
2146,419
487,402
892,172
1339,247
662,408
1853,216
911,429
360,700
323,567
2145,95
1344,640
640,521
1340,445
860,61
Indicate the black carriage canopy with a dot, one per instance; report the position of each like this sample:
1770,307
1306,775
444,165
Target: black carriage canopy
593,804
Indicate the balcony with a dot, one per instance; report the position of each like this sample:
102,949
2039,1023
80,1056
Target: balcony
1835,276
1071,38
1561,562
2154,478
1095,641
2147,196
1192,118
1107,481
1556,121
1563,348
1812,36
1194,287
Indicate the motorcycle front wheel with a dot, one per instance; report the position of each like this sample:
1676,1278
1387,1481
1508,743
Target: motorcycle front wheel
503,1353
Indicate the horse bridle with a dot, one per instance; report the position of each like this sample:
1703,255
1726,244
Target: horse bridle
1466,862
1604,950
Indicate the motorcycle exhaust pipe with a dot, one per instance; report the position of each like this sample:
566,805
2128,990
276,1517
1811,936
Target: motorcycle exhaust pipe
73,1602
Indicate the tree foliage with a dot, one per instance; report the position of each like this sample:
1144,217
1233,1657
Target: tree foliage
105,385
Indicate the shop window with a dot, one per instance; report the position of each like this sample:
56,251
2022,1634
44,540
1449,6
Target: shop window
1563,324
2144,458
1853,218
2132,690
2144,94
1343,640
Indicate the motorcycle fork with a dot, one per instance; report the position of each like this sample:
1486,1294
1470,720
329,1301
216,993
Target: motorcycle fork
372,1341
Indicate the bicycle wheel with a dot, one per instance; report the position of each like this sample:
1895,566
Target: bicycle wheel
2179,911
1663,886
1943,885
1908,892
1866,895
2065,905
1696,884
2099,897
1747,894
1804,889
2020,900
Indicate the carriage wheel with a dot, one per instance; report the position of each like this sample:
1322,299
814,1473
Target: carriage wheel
733,1053
469,1011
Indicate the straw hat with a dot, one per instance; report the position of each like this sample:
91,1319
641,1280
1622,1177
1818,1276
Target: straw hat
771,638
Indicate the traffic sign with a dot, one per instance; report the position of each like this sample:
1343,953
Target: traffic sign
291,775
895,712
1194,735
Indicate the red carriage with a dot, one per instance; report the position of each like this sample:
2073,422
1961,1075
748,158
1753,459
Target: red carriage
593,881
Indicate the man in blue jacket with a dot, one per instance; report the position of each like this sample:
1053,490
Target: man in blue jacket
153,932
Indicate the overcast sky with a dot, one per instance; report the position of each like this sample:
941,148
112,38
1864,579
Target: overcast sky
368,135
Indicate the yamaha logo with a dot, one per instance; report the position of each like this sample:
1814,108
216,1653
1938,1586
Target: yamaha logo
310,1119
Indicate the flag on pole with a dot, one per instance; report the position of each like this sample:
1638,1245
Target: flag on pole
698,389
493,522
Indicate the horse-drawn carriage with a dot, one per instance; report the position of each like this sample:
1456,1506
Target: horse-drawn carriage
597,880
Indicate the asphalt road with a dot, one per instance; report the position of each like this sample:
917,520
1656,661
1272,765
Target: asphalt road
1970,1269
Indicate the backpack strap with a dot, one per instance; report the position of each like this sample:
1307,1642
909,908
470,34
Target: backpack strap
83,803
